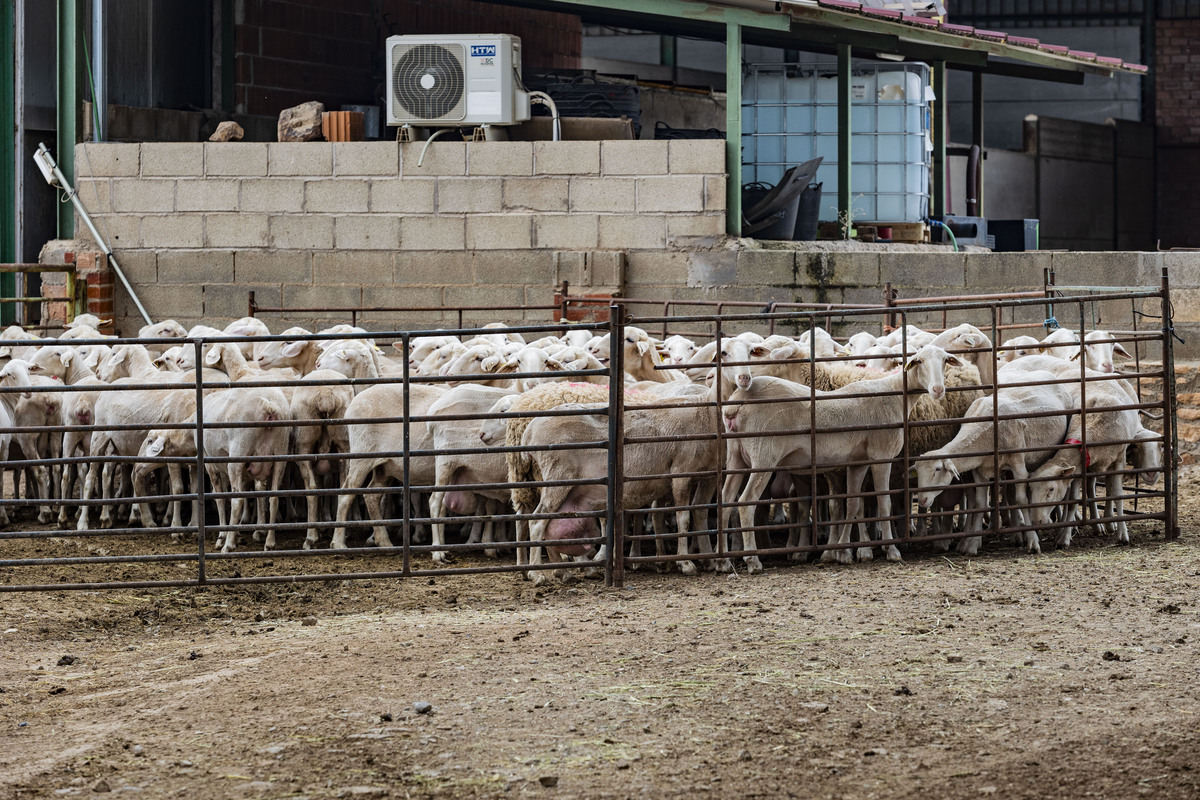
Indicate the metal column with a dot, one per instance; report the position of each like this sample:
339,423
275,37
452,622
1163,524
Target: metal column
68,106
844,212
939,139
977,133
733,129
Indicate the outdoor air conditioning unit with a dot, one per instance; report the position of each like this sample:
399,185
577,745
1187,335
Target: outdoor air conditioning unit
452,81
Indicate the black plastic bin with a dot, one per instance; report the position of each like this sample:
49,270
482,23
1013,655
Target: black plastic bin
808,213
782,216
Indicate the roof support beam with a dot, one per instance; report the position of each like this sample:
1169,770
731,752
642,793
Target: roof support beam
1009,69
845,216
68,106
733,129
977,135
8,155
939,140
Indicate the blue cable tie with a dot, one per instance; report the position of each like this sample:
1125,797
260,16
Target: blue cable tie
1051,323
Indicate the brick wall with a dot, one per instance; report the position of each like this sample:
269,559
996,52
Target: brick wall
1177,103
291,51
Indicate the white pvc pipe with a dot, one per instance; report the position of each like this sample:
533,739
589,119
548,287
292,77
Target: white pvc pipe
547,100
100,88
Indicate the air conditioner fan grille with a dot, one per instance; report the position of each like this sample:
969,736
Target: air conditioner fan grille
428,81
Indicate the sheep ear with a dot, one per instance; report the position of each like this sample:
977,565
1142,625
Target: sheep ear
554,365
912,472
212,356
642,346
953,470
1065,471
155,448
507,366
916,362
35,368
844,350
293,349
159,362
491,364
758,351
954,361
66,356
1120,351
968,340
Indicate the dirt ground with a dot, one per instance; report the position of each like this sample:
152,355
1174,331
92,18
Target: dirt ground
1071,674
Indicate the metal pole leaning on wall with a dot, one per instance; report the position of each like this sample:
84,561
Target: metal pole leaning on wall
614,564
1170,429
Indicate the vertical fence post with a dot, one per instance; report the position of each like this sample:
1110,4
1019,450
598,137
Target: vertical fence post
614,565
722,447
996,487
1170,429
407,529
199,513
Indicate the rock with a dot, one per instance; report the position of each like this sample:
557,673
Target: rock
548,780
308,621
301,123
385,717
136,750
1109,655
744,755
953,659
819,708
623,764
904,690
66,661
101,786
421,707
228,131
259,617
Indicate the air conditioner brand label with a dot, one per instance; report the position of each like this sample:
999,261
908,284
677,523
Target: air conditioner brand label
483,50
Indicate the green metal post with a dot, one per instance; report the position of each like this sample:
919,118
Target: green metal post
939,139
68,106
845,215
8,157
733,128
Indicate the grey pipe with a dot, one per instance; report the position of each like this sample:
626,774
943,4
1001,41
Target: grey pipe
58,179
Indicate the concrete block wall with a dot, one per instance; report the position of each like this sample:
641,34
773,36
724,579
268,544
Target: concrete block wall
198,226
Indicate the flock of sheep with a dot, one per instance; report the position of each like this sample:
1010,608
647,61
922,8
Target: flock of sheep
782,441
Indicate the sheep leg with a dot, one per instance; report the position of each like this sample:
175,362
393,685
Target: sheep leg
1092,505
139,490
491,508
175,474
437,508
356,475
636,522
522,536
89,487
969,546
1069,518
106,491
237,505
855,476
1021,502
1115,488
273,503
882,474
750,497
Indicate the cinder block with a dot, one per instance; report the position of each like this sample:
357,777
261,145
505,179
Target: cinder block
235,159
1095,269
137,196
515,267
766,268
715,194
986,272
710,268
367,232
697,156
566,158
442,158
175,301
365,268
366,158
307,159
508,296
236,230
301,232
121,230
433,269
1183,270
499,231
536,194
628,231
604,194
273,195
139,266
500,158
433,233
845,269
206,194
328,297
639,157
658,268
672,194
403,196
909,272
403,297
468,195
566,231
107,159
195,266
224,303
606,267
174,230
95,194
698,230
336,196
172,159
272,266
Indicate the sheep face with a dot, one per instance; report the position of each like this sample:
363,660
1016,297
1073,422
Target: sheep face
1048,486
931,477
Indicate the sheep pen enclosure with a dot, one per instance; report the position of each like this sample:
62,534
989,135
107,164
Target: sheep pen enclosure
190,656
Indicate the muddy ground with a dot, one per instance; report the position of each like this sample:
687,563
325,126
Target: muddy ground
1071,674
